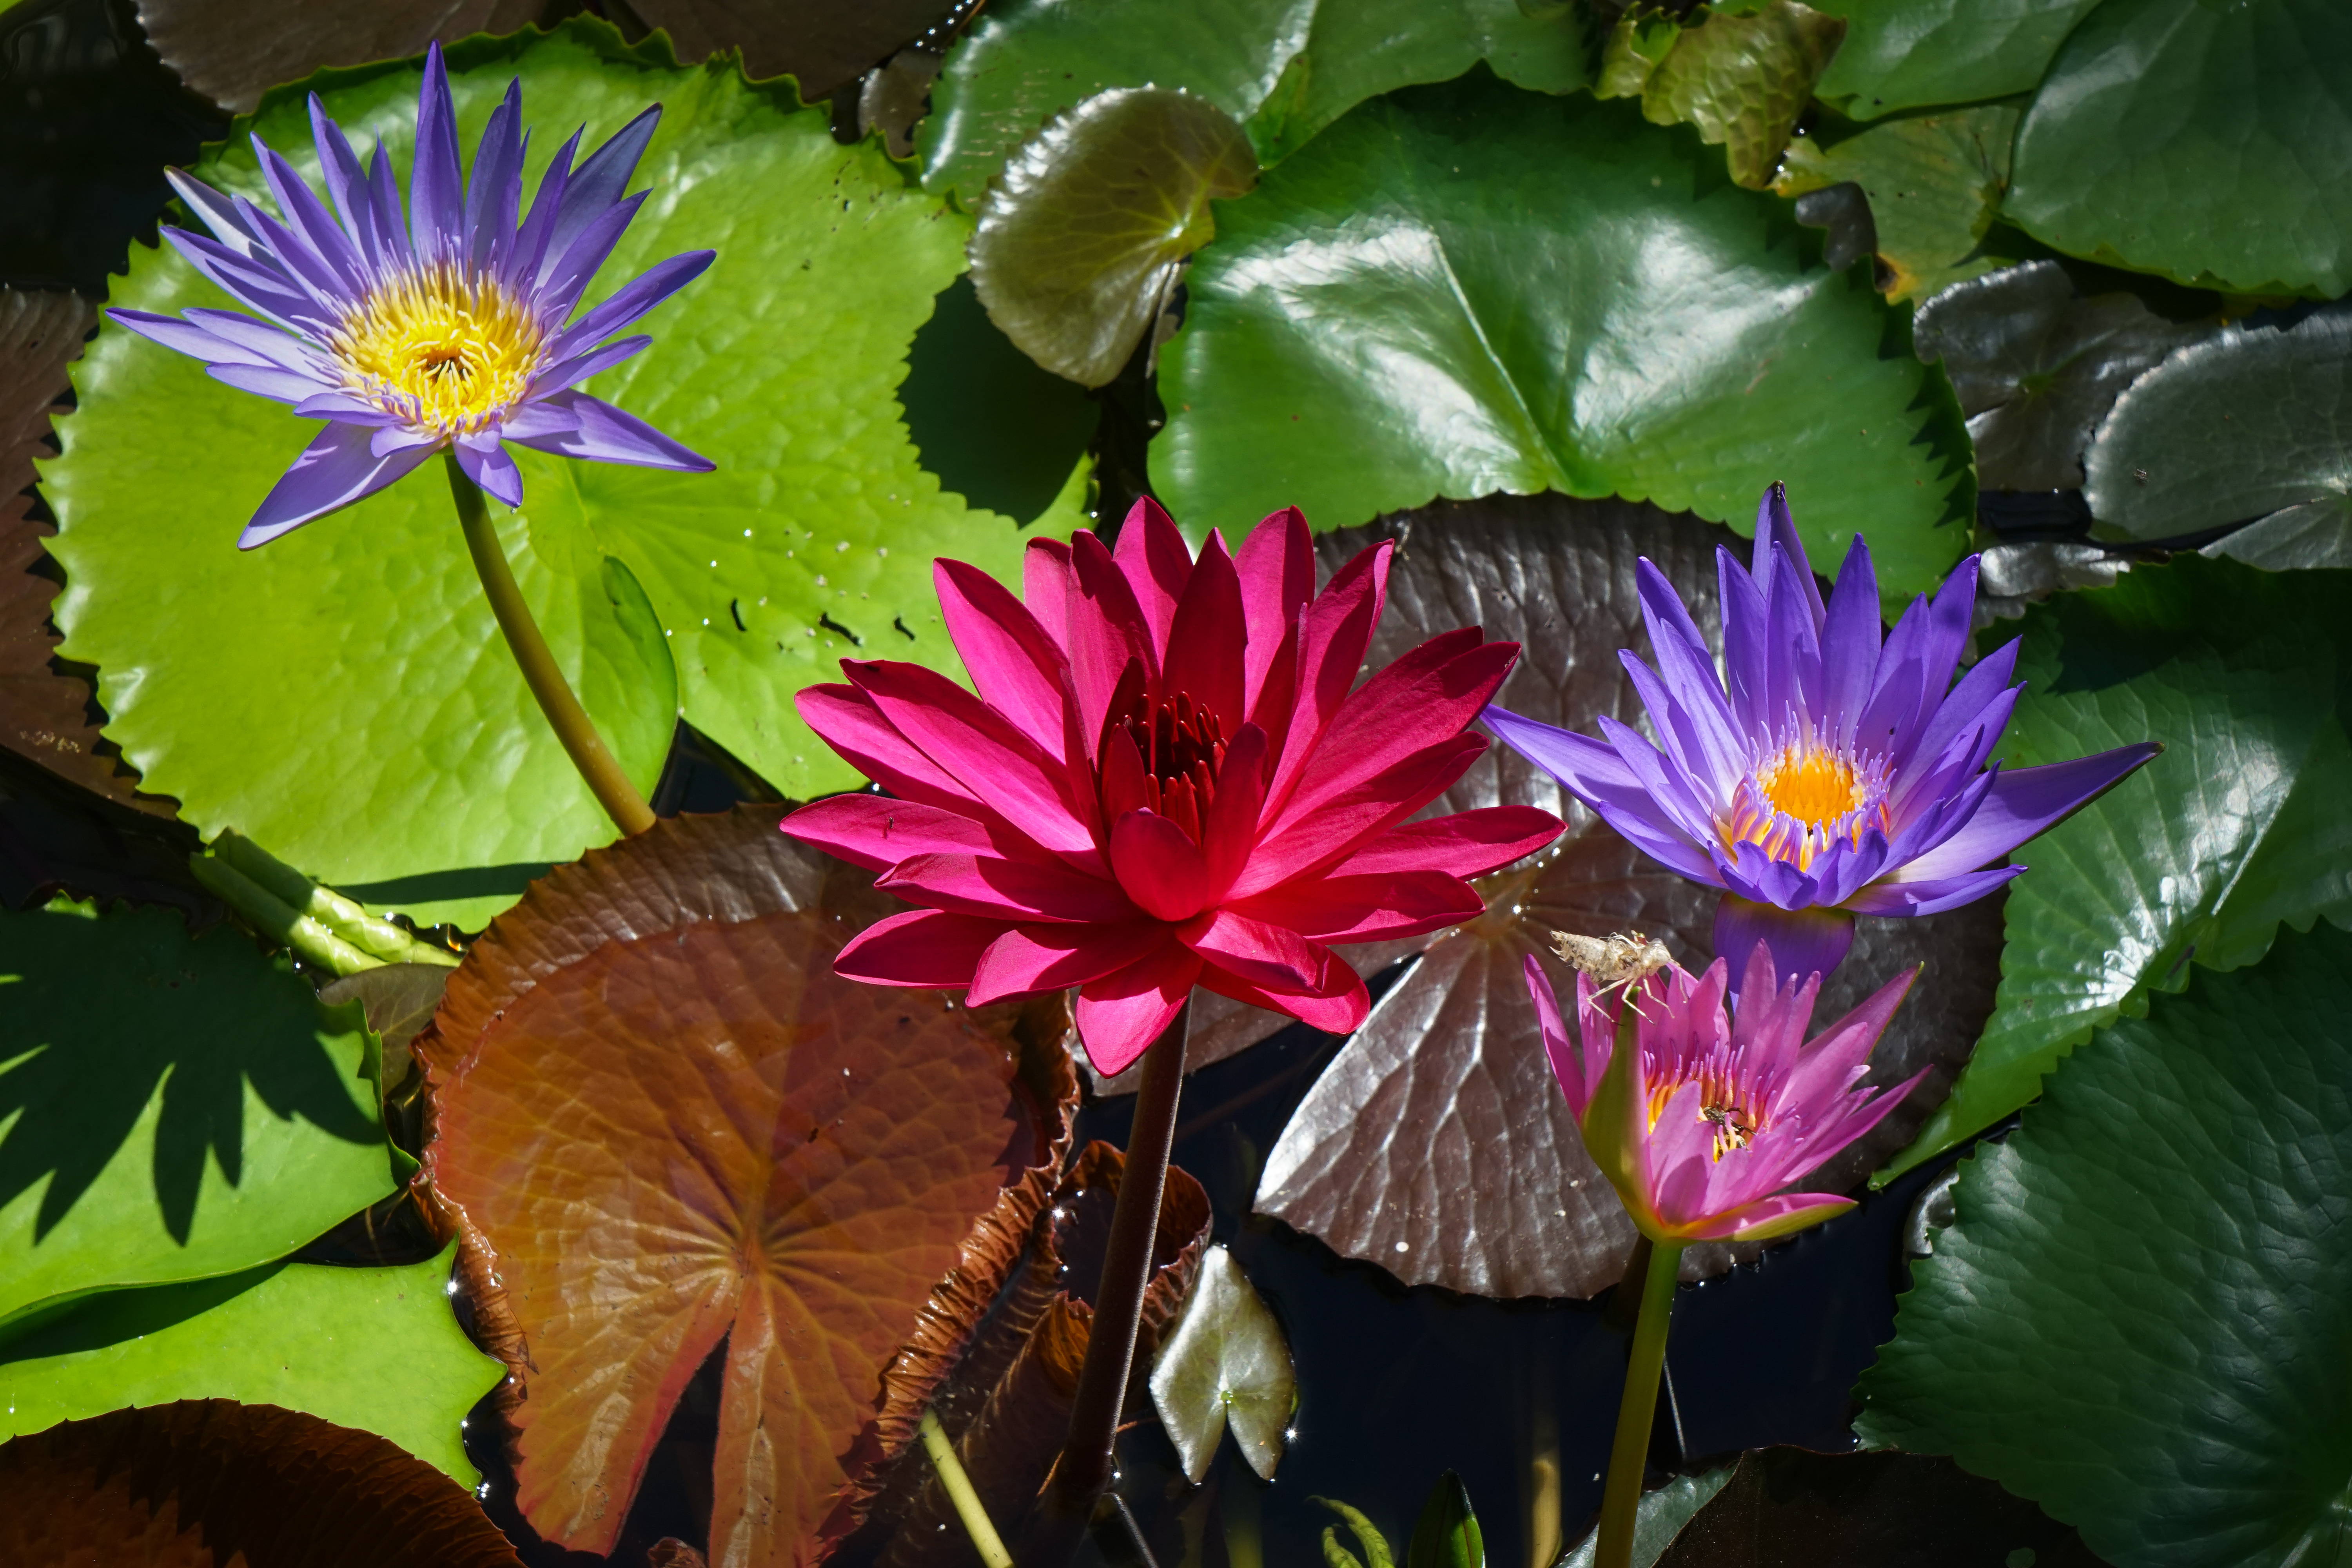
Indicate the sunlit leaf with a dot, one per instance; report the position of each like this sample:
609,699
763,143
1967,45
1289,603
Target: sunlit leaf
1287,68
666,1122
1082,237
2161,1250
233,51
1914,54
2199,856
1437,1144
199,1482
2199,139
1661,1516
399,1000
1742,80
1598,312
1368,1536
2249,424
343,697
1860,1509
1447,1533
374,1349
2037,366
171,1108
1224,1363
1934,182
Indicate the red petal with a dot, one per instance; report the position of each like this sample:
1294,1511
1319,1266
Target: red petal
1106,631
1050,957
876,832
1158,866
1275,565
1257,950
1005,890
1374,805
1015,666
1231,832
1466,843
1206,643
1121,1014
922,947
972,742
1336,629
1045,586
1152,556
846,720
1337,1006
1124,782
1366,908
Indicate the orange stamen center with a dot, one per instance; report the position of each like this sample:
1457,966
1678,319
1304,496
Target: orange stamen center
1811,784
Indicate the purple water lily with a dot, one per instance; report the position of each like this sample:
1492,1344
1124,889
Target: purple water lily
447,328
1831,776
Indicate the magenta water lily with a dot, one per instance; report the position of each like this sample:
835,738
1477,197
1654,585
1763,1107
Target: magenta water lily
1822,773
447,328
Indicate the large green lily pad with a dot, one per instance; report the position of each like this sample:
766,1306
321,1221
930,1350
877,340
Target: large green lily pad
2201,139
2249,424
1285,68
341,695
171,1108
376,1349
2143,1316
1914,54
1601,311
2199,856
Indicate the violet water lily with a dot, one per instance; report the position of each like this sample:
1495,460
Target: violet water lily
1821,773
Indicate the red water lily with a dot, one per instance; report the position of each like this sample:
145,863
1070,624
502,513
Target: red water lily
1164,780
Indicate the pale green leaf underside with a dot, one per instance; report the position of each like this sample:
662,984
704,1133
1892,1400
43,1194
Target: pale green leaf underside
1224,1364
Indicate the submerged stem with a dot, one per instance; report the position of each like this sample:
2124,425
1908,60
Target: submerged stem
958,1488
570,722
1629,1454
1083,1471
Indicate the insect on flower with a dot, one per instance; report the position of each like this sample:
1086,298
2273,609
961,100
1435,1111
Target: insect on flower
447,328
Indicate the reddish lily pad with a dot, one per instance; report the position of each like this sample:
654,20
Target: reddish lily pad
1437,1143
820,44
664,1121
234,50
202,1482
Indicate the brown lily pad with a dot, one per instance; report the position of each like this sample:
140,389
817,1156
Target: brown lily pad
1437,1143
44,712
661,1121
820,45
234,50
206,1482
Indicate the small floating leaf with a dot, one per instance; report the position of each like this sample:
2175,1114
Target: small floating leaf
1742,80
1082,237
1226,1363
1933,183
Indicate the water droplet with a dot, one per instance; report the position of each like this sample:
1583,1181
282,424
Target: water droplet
1404,1247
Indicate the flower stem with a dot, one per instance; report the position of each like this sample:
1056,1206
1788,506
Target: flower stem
1083,1471
570,722
958,1488
1629,1455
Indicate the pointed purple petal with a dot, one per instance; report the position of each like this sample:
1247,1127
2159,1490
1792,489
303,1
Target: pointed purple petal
187,338
1746,662
523,262
1849,644
258,283
1802,941
1930,895
334,471
308,216
580,367
631,301
347,183
607,434
217,212
495,193
568,277
533,421
1774,527
1961,710
391,438
2025,802
1595,774
597,184
260,340
436,188
488,464
266,381
392,227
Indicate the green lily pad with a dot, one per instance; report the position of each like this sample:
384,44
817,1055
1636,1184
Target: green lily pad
1600,312
375,1349
342,694
1224,1363
1916,54
171,1108
2200,140
1658,1518
1285,68
1742,80
2247,425
2199,856
1933,183
1082,238
2142,1319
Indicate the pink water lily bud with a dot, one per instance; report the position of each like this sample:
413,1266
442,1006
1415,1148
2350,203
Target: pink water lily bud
1717,1110
1167,776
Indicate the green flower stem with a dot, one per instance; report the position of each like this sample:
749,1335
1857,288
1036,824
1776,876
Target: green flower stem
570,722
380,940
1629,1453
958,1485
274,918
1083,1471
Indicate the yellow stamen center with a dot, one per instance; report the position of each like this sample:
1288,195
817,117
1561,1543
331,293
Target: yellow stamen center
1735,1126
1811,784
444,348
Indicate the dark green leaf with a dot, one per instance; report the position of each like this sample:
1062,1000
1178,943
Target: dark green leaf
1287,68
1599,312
1743,80
2201,853
1914,54
1933,183
2251,425
1224,1363
2143,1316
171,1108
1447,1535
1661,1516
1081,239
2200,139
2037,366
